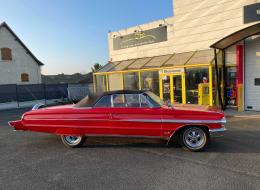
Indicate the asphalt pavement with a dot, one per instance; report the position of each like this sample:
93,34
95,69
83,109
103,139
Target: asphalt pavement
40,161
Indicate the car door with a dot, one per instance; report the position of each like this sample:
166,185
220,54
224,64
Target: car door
97,118
131,115
169,121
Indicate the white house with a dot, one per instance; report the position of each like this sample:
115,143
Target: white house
17,63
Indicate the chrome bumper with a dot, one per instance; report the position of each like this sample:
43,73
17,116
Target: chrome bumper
217,132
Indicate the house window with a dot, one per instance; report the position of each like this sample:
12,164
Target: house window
6,54
24,77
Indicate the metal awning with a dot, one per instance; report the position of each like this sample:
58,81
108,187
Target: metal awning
203,56
236,37
170,60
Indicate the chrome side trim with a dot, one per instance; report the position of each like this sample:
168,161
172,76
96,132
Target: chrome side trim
192,121
217,132
139,120
174,121
66,119
223,129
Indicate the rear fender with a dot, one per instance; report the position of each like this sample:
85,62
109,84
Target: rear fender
17,125
69,131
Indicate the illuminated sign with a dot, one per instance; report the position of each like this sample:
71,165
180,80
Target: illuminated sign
140,38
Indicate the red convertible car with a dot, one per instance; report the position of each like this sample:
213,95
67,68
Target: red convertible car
125,114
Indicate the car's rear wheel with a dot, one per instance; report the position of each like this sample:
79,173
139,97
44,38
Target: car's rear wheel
73,141
194,138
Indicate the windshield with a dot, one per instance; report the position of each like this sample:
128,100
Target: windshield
156,99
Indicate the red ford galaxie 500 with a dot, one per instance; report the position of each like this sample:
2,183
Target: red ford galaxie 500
125,114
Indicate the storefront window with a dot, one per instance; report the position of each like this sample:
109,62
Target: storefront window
150,81
115,81
131,81
195,77
100,81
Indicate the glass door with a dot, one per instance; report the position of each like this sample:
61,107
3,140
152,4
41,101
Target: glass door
166,88
172,88
177,88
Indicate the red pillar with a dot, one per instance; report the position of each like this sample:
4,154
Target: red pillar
240,77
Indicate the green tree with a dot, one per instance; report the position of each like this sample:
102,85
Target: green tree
96,67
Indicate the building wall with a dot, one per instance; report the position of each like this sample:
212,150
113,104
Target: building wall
201,23
150,50
196,25
22,62
251,73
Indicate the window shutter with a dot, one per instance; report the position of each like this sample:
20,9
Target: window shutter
24,77
6,54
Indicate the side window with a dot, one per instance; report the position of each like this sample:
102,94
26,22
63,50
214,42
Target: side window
148,101
119,101
105,101
132,100
144,101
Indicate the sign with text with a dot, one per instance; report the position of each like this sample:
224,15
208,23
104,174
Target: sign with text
140,38
171,71
252,13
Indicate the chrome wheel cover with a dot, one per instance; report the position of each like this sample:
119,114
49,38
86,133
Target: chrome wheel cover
194,137
72,140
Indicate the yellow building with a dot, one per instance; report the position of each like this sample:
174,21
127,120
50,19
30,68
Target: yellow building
177,57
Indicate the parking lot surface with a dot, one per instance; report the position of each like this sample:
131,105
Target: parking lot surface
40,161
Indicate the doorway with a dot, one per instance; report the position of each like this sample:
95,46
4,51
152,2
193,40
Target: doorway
172,88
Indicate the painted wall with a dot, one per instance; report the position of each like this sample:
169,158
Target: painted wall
196,25
22,62
150,50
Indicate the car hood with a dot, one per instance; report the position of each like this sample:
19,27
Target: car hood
190,107
197,112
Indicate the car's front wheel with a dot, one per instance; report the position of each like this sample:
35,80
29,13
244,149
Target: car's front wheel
194,138
73,141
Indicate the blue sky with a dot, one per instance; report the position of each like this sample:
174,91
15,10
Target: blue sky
69,36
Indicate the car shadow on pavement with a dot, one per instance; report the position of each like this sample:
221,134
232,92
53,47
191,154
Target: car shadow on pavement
115,142
235,141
